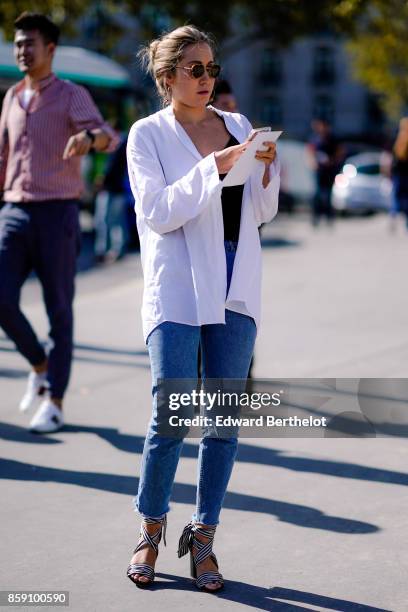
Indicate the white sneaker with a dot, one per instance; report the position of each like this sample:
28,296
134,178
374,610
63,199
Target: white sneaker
36,385
47,419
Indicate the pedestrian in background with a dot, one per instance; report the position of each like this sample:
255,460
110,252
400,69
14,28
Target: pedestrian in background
224,98
46,125
399,172
111,204
325,157
201,258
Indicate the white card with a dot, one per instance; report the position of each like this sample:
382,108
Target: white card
244,166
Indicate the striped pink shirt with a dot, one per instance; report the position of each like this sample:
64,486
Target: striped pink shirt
32,140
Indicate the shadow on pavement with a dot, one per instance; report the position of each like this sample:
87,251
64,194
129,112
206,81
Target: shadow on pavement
247,453
12,372
323,602
274,243
263,598
14,433
9,349
296,514
110,351
7,346
111,362
277,458
266,599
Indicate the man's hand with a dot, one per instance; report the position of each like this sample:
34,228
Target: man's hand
78,144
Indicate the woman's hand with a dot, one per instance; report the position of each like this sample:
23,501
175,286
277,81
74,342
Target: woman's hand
267,156
226,158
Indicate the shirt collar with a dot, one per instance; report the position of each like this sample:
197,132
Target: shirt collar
41,84
46,81
230,123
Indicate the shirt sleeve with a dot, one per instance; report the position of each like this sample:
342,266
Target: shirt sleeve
84,115
4,146
265,200
164,207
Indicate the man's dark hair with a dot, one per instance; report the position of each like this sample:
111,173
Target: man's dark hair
35,21
222,87
322,119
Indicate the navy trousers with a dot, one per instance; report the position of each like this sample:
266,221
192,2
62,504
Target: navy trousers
44,237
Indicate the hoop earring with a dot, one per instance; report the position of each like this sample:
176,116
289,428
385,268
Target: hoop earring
168,94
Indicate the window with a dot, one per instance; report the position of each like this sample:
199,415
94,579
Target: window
271,67
374,112
371,169
324,70
323,108
271,111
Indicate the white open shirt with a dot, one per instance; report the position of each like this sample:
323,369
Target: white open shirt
179,219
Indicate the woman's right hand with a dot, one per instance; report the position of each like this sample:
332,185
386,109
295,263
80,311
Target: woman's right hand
226,158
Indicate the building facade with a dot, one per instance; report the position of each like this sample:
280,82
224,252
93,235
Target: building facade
286,88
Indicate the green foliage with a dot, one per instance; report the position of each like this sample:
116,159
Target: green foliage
62,12
378,29
379,51
281,20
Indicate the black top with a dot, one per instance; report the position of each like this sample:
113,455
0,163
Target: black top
231,198
399,166
399,172
325,150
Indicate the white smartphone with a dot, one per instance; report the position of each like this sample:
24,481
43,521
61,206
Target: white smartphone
246,163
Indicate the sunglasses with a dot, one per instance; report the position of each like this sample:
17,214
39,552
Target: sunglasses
198,70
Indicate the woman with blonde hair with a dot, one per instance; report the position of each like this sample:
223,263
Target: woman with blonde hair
399,171
201,259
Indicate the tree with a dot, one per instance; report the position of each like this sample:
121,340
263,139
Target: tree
379,51
377,29
63,12
281,20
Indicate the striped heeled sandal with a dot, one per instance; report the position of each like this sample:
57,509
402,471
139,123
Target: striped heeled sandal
142,569
187,541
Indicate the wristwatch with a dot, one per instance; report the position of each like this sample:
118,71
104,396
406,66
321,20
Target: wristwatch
91,135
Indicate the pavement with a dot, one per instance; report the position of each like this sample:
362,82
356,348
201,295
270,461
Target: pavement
307,524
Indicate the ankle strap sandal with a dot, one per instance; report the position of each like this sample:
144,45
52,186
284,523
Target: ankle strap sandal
187,541
152,540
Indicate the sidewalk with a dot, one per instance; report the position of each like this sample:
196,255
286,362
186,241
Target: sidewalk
307,524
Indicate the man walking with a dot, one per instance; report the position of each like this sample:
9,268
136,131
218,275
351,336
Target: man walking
326,157
46,124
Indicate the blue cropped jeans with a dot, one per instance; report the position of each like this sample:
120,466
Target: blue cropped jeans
173,349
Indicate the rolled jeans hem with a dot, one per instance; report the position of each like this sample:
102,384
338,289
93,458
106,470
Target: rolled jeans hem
152,517
204,519
147,515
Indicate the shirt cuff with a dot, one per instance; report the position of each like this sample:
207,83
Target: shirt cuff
113,136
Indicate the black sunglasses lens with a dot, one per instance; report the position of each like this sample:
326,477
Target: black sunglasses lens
214,71
197,71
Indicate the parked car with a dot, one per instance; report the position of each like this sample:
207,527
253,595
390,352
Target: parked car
360,186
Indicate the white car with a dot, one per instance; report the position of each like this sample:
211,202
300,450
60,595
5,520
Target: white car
360,187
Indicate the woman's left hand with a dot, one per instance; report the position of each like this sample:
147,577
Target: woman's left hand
267,156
